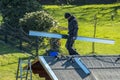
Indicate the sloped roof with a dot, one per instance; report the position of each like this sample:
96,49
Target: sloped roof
101,67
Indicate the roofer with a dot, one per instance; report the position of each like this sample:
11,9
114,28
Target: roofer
72,33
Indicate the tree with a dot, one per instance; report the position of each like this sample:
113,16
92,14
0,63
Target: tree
13,10
39,20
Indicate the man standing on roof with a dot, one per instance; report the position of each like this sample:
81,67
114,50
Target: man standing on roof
72,33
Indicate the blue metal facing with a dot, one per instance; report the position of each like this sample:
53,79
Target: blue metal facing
44,34
54,35
82,66
84,70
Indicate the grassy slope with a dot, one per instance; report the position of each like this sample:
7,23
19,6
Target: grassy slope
106,28
9,62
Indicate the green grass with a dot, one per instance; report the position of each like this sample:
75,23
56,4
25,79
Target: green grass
106,28
9,61
0,18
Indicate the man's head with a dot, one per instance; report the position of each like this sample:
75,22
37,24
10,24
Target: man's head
67,15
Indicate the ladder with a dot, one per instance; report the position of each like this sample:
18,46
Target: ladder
24,73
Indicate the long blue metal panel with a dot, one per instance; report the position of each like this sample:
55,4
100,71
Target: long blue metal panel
44,34
59,36
82,66
83,70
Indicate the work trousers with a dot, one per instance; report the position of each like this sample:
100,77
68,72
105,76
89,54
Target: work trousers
69,45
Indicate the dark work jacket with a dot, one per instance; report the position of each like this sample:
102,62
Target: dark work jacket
72,26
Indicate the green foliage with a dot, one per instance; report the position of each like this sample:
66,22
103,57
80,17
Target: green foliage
12,10
0,19
106,27
9,62
40,21
75,2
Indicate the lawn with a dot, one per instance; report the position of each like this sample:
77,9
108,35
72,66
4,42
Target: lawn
9,61
106,27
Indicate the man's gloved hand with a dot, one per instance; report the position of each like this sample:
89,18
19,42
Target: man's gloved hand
74,37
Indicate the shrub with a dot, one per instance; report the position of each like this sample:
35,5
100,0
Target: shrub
13,10
39,20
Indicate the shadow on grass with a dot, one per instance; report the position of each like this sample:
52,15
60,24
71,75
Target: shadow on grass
11,49
6,49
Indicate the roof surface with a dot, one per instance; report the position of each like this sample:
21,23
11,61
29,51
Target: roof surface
101,67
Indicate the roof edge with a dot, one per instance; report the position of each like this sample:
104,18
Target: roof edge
47,68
